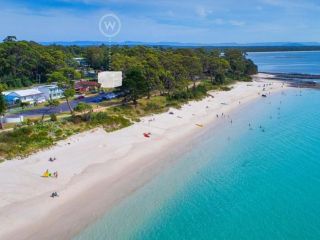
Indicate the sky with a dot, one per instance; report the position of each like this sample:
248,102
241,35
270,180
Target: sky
186,21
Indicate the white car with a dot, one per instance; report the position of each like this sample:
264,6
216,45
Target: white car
41,100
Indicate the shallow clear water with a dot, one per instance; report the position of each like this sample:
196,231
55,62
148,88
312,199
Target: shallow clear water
287,62
236,183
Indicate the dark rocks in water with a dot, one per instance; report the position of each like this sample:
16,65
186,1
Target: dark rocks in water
297,80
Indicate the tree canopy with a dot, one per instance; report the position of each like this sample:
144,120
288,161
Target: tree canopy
23,63
3,105
165,70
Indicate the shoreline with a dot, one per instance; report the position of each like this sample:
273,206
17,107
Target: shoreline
97,170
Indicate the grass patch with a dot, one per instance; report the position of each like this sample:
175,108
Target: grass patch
35,135
26,139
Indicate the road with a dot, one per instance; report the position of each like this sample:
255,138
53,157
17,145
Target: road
63,107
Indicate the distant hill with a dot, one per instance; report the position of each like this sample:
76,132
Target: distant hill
179,44
246,47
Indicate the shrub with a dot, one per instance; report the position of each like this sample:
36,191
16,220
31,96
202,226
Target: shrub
225,88
151,106
76,119
83,107
110,123
53,117
99,118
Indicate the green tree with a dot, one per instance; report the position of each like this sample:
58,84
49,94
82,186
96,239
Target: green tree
192,65
51,104
70,73
251,68
10,39
217,68
57,77
3,105
66,84
151,67
237,61
69,93
135,84
175,75
23,63
83,107
96,57
121,62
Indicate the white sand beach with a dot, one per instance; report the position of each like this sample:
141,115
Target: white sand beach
98,169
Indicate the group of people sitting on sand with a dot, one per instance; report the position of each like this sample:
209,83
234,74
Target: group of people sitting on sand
55,175
48,174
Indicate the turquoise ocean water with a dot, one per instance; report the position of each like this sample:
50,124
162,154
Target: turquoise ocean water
236,183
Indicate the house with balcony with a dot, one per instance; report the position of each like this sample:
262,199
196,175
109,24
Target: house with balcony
51,92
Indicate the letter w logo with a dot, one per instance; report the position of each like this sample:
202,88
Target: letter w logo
109,25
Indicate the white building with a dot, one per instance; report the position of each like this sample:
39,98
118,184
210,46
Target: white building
51,92
110,79
82,62
30,96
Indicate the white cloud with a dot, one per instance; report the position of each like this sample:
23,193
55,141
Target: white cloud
219,21
237,23
203,12
293,4
166,20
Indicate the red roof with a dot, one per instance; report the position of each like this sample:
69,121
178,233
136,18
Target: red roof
82,84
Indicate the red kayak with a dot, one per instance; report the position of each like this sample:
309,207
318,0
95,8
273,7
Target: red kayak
147,135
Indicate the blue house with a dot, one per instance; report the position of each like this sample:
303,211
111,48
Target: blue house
30,96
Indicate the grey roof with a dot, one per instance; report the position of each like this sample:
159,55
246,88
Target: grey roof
27,92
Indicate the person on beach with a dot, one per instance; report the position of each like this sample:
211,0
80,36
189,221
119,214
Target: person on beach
54,194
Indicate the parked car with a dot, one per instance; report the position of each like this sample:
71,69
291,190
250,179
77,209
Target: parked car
109,96
120,94
40,100
80,97
97,100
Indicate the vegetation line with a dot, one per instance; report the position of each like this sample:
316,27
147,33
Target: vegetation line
155,79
